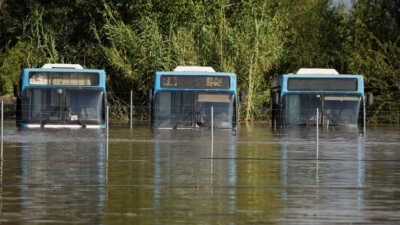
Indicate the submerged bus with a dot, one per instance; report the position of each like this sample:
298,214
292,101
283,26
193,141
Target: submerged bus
61,96
338,98
183,98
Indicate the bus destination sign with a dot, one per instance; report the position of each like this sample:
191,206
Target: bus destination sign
64,78
195,82
322,84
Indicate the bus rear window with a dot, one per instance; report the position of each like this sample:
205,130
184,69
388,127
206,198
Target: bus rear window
214,98
64,78
322,84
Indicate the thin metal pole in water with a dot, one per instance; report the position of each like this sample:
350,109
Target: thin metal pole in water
212,143
212,131
2,129
364,118
1,159
107,133
317,123
107,128
317,166
108,121
131,110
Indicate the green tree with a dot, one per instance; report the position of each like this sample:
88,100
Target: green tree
375,52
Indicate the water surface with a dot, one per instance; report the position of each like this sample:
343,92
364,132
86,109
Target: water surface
174,177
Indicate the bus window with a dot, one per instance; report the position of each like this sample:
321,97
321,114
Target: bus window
188,109
222,107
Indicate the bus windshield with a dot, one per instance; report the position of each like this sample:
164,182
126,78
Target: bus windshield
179,109
65,105
300,109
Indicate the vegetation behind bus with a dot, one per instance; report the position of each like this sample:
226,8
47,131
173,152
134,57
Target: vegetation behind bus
257,40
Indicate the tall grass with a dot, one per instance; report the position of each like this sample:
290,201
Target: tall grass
250,48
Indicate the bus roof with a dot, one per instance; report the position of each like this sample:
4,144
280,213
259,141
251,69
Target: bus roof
194,69
61,66
318,71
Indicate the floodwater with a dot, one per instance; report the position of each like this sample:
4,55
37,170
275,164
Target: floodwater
174,177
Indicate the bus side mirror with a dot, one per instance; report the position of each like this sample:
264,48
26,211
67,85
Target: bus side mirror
150,94
16,91
275,98
242,96
370,98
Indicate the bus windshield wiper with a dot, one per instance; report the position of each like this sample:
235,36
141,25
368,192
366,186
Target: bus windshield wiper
78,121
44,122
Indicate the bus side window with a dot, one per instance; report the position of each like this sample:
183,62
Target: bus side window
275,98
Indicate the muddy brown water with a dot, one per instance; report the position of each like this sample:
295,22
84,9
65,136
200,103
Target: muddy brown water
171,177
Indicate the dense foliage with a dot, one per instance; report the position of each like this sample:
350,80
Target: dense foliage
256,39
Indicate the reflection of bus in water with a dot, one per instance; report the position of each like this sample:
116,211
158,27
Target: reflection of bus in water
183,99
64,177
61,96
339,99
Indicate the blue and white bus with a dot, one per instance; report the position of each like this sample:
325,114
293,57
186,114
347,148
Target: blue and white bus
183,98
339,98
61,96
